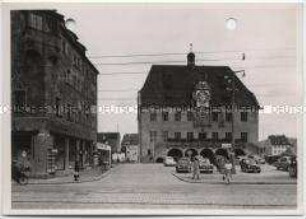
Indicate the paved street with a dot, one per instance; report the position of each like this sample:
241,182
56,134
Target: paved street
149,186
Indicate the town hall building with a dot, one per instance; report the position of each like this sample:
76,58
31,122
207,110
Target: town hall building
188,110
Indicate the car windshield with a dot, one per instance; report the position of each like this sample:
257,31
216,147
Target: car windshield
248,161
204,161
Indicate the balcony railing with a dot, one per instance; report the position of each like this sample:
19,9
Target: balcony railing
195,140
184,140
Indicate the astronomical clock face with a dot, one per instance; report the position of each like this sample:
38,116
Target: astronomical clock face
201,94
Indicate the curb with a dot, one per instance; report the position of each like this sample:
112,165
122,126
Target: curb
92,179
235,182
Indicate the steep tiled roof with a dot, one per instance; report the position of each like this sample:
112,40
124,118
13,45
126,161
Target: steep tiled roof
173,85
279,140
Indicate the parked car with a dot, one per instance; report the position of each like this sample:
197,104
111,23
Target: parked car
249,166
283,163
183,165
257,159
293,167
240,158
169,161
206,166
272,159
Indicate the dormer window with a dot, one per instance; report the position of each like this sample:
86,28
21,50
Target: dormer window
36,21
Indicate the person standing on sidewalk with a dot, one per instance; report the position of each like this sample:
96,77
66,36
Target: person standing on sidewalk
227,177
76,172
196,168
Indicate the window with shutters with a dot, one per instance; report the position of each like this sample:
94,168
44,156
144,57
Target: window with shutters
189,136
178,116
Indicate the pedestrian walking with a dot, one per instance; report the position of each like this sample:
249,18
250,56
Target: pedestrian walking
196,168
76,174
227,177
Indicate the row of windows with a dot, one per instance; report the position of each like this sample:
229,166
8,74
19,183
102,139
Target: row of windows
278,151
280,146
81,116
190,116
201,136
78,82
43,23
37,22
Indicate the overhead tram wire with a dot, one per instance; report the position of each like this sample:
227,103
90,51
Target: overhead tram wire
183,61
185,53
233,67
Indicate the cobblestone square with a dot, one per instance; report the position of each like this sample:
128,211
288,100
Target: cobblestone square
151,185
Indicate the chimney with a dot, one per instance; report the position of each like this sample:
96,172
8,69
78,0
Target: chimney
190,57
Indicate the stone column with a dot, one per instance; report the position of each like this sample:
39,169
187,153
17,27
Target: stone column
67,153
84,154
77,151
42,141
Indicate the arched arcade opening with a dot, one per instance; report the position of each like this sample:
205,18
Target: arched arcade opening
191,153
222,152
208,153
175,153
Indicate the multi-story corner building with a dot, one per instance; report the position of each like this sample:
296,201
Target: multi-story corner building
188,110
54,94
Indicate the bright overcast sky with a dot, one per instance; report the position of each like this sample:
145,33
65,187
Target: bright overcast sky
267,34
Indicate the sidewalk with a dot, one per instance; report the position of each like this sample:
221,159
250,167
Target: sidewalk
267,176
86,176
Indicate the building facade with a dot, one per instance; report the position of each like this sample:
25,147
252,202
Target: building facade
110,138
189,110
54,94
276,145
130,145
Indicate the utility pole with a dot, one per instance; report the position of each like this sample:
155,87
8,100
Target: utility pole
153,152
233,102
233,106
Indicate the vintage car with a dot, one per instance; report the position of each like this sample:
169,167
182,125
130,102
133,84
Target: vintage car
283,163
249,166
293,167
169,161
206,166
183,165
257,159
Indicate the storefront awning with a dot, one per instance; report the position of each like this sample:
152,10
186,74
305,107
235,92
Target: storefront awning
101,146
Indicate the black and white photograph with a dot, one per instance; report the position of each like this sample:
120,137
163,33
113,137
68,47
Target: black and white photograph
143,108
